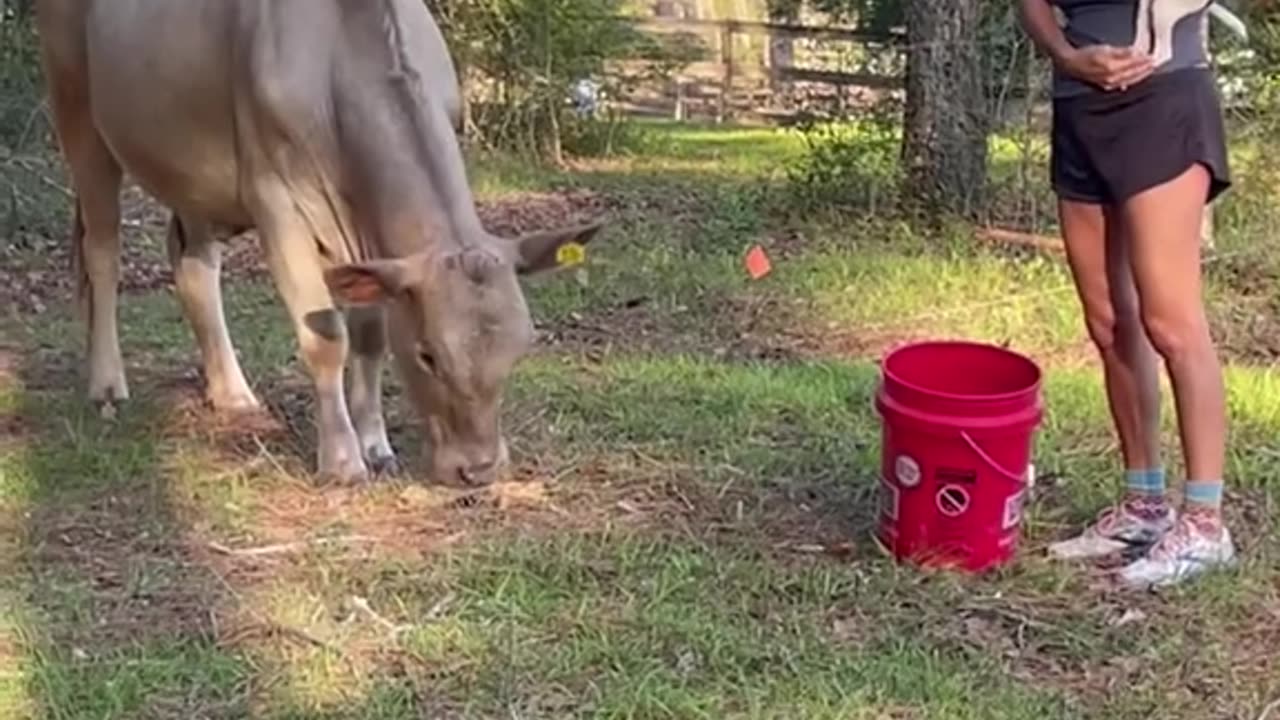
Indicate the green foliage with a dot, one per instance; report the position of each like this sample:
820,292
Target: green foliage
610,133
1249,72
520,59
846,165
877,16
19,75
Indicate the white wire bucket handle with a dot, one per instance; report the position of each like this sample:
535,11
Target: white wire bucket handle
1019,478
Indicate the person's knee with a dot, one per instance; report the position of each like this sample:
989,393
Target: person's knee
1176,335
1101,323
1110,325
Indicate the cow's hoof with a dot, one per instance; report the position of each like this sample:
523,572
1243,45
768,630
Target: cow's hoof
480,479
344,477
234,403
108,398
344,473
385,465
107,409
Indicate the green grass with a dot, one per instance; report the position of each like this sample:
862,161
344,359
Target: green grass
667,566
633,613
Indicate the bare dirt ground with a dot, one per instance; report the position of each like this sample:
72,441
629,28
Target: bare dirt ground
38,272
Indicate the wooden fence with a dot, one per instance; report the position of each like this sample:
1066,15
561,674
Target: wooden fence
724,85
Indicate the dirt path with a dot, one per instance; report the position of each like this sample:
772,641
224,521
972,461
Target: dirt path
36,269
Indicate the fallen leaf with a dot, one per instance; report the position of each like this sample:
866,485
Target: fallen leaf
1128,617
844,629
840,550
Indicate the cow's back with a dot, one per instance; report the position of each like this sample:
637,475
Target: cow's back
198,98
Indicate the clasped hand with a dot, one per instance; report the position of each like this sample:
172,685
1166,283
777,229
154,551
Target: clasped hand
1107,66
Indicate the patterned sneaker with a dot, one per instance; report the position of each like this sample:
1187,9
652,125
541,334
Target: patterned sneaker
1188,550
1125,527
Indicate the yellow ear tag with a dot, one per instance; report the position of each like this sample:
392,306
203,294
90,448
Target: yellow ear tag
571,253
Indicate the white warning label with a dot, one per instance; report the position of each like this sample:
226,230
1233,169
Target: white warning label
953,500
1013,509
889,495
907,470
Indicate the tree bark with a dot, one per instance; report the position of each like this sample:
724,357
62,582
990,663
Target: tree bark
944,147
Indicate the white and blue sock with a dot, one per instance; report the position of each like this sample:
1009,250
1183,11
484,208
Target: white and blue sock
1204,495
1147,484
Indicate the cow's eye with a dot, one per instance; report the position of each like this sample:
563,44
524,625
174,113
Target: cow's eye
426,359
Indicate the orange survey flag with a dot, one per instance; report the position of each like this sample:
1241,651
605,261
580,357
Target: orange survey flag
757,263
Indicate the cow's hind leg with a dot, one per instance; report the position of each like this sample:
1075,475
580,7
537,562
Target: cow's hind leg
368,331
197,259
95,235
295,263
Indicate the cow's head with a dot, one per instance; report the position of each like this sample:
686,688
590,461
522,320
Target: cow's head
457,324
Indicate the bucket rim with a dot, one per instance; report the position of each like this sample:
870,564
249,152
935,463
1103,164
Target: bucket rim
1037,373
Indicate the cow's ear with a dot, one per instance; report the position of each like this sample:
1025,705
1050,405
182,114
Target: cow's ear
550,249
367,283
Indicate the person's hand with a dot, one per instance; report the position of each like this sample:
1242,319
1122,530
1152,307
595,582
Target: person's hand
1108,67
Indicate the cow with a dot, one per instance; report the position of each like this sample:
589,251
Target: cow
329,127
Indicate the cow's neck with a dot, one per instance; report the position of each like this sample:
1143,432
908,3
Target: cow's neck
424,198
407,213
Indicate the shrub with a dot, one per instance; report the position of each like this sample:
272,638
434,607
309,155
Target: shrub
847,165
521,58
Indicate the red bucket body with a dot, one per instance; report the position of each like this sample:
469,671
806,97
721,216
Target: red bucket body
958,425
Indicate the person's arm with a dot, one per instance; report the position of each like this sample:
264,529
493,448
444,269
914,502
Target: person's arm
1108,67
1041,25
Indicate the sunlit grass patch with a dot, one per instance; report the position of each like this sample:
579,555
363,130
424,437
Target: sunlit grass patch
724,151
181,678
880,292
669,154
16,698
319,656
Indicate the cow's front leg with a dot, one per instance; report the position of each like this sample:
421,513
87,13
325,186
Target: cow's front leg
368,332
295,263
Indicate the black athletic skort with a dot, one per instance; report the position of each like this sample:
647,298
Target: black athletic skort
1110,146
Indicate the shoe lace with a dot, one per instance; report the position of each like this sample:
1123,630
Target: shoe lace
1107,520
1176,541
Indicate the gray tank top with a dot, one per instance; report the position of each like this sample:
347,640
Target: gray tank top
1116,22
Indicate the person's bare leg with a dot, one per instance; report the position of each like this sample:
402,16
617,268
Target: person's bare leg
1098,255
1166,259
1164,224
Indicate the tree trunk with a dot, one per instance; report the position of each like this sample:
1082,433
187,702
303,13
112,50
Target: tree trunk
944,146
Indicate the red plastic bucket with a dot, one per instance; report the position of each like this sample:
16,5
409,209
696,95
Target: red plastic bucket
958,424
